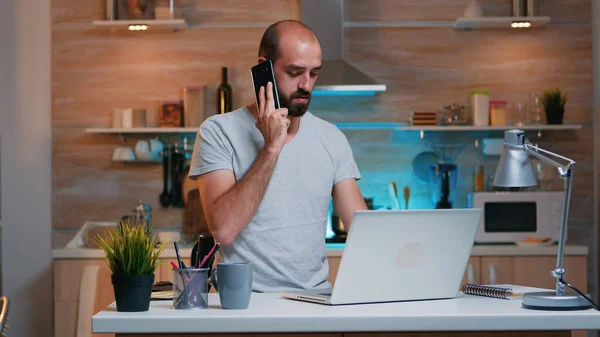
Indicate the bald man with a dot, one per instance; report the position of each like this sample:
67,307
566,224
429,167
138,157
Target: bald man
266,175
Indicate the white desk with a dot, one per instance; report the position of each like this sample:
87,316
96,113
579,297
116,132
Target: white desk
269,313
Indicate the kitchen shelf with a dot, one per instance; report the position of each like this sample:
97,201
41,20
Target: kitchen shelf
369,125
139,162
491,128
500,22
189,130
142,130
173,24
392,126
460,21
193,130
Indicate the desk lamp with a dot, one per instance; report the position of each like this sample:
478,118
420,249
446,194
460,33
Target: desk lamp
515,170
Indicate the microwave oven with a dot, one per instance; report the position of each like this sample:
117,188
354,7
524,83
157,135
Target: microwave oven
513,216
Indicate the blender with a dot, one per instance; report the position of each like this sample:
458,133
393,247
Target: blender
442,184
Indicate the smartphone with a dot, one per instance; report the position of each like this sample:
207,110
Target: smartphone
262,74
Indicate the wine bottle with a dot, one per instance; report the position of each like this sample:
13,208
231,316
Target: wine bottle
224,94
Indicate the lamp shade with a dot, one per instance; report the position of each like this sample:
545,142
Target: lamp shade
514,168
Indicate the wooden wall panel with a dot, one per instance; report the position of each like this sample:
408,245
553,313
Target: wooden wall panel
416,10
95,71
140,71
442,65
235,11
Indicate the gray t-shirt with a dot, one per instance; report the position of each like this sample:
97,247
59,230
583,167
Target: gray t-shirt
285,240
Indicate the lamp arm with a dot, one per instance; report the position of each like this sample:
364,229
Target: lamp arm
534,151
566,173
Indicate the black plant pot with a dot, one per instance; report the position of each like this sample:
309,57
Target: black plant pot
132,293
555,115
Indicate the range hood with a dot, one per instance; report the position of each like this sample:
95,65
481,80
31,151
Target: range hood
338,77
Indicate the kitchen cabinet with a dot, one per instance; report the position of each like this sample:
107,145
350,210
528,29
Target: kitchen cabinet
473,271
334,265
82,287
532,270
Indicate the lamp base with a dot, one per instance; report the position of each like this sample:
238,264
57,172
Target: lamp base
548,300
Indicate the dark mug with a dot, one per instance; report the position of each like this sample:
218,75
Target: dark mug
233,281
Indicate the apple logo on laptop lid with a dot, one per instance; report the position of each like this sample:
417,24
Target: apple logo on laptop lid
411,255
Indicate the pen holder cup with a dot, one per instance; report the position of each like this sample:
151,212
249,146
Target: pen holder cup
190,288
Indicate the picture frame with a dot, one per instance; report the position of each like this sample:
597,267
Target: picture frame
171,114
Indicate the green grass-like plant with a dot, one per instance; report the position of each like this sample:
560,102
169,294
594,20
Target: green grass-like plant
554,99
130,250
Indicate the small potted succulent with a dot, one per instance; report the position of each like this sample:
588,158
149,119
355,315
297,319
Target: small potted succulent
554,104
133,257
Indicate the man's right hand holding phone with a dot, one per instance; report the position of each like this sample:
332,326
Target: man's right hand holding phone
272,123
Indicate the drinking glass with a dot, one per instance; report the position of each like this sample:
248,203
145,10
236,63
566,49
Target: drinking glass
535,112
517,113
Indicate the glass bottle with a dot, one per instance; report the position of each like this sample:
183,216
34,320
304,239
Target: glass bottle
223,94
479,179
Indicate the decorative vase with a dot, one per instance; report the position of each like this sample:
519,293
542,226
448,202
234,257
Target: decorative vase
555,115
132,292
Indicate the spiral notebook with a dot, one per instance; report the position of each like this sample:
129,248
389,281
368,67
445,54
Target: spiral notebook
503,291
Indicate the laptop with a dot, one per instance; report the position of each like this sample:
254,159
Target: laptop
401,256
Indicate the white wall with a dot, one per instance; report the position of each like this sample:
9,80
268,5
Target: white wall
595,251
26,165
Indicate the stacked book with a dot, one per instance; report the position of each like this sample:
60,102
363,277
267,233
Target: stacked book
422,118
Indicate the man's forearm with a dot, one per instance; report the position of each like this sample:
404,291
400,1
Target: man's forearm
234,209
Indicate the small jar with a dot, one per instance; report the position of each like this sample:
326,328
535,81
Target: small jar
480,105
498,115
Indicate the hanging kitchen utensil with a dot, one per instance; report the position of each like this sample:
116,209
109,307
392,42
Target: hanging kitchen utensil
177,161
393,193
165,197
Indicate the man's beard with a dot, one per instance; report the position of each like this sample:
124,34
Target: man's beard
295,110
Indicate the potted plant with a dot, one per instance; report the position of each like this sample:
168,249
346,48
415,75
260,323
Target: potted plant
133,257
554,104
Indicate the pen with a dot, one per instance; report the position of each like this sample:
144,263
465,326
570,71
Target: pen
210,254
198,249
185,292
178,257
210,260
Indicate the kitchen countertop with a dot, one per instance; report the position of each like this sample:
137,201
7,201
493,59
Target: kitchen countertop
336,249
268,312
